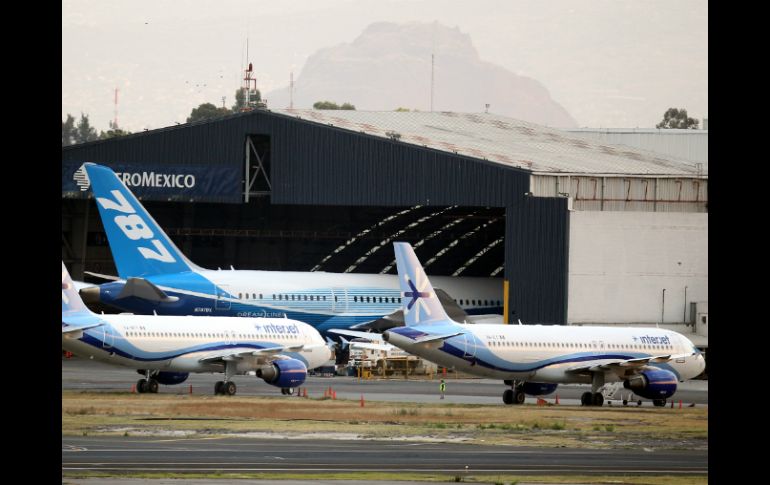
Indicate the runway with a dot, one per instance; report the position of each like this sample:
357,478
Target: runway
81,374
227,455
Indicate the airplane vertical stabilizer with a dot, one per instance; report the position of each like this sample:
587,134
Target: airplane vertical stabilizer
71,303
139,246
418,299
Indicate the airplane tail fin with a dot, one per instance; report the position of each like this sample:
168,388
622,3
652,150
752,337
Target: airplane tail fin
71,303
139,246
420,304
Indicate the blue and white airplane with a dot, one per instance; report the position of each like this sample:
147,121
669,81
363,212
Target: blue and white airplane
167,348
534,359
154,276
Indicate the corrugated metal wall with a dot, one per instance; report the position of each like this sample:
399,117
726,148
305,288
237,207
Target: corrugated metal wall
537,243
323,165
641,194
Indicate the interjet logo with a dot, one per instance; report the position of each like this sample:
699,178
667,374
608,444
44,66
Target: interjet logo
417,294
81,178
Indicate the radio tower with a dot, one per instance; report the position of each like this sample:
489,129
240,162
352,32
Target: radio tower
291,90
115,122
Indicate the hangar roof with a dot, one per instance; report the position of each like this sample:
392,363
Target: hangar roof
507,141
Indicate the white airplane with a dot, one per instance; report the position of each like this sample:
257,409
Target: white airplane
154,276
534,359
167,348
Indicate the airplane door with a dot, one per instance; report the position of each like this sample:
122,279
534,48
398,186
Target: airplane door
108,339
470,347
339,300
222,302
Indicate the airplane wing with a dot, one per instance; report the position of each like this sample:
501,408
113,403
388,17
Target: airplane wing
141,288
622,364
249,353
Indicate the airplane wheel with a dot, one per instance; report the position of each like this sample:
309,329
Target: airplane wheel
508,382
152,386
228,388
625,402
289,391
586,399
659,402
639,402
597,399
518,397
218,388
141,386
508,396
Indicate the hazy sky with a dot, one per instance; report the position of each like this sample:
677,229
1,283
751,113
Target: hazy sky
610,63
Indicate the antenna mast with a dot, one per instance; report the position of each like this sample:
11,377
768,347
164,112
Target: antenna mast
291,90
115,123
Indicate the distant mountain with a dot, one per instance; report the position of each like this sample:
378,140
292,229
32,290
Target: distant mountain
389,66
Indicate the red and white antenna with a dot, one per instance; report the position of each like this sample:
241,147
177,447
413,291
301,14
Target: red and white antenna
115,123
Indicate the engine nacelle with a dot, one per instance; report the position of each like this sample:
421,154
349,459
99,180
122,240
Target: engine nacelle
538,388
171,378
284,373
653,384
167,378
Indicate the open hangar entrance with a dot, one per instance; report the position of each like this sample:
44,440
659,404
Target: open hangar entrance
327,178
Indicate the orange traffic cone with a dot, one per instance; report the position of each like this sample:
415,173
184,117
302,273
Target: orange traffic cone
672,404
557,399
304,394
362,400
133,388
541,402
191,389
334,394
680,404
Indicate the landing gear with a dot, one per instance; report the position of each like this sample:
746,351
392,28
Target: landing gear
592,399
515,395
287,391
226,387
659,402
148,384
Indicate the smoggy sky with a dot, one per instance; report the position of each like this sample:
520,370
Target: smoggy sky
609,63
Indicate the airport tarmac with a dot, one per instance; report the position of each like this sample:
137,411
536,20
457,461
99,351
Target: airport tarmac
232,455
82,374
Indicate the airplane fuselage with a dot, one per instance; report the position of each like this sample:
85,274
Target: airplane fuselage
538,353
181,344
323,300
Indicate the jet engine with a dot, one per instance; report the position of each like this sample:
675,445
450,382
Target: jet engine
653,383
168,378
283,373
538,388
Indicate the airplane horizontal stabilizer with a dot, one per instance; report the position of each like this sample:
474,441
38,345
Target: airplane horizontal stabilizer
141,288
433,338
353,333
103,276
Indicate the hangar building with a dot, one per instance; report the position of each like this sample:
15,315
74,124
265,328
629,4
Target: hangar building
581,232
